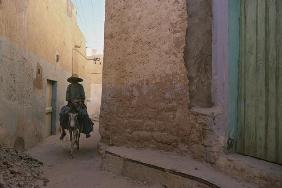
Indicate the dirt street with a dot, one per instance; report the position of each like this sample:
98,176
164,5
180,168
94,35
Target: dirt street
81,172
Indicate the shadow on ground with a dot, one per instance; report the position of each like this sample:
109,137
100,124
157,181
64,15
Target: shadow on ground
81,171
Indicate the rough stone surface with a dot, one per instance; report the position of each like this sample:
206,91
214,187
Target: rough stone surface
23,103
168,169
20,170
145,96
263,173
29,45
198,52
148,92
145,100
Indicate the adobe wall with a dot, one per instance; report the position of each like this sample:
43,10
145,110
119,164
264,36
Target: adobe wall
32,33
198,52
23,93
145,99
152,67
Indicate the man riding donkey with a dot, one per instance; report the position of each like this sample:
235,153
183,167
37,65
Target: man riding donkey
75,96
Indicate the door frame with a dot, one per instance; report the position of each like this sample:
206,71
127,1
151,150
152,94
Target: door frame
234,11
54,106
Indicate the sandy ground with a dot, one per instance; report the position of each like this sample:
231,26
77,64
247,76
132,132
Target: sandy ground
83,170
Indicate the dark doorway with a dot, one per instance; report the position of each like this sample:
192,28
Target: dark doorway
51,101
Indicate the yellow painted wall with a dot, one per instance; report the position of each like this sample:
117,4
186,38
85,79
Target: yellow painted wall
44,28
32,32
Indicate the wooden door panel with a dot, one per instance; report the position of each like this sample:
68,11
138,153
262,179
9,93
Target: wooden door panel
259,103
279,80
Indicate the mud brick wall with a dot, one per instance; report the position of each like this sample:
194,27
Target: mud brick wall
198,52
145,100
28,47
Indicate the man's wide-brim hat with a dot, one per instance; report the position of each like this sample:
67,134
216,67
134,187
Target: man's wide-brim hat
74,78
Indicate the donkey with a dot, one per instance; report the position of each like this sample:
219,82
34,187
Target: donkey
74,130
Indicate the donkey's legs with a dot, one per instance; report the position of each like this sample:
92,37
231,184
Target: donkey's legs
71,142
77,138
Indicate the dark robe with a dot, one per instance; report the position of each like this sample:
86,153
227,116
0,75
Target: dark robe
75,91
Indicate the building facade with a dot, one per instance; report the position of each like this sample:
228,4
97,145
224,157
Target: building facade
195,76
95,71
40,47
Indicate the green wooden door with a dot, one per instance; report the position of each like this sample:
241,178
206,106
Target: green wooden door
260,80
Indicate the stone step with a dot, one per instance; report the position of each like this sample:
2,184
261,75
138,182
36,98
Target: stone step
166,169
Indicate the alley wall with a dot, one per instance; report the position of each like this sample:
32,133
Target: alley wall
36,42
165,83
145,100
95,71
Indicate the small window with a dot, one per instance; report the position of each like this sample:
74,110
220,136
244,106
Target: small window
57,58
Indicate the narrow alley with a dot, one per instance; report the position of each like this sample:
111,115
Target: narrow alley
84,170
182,93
